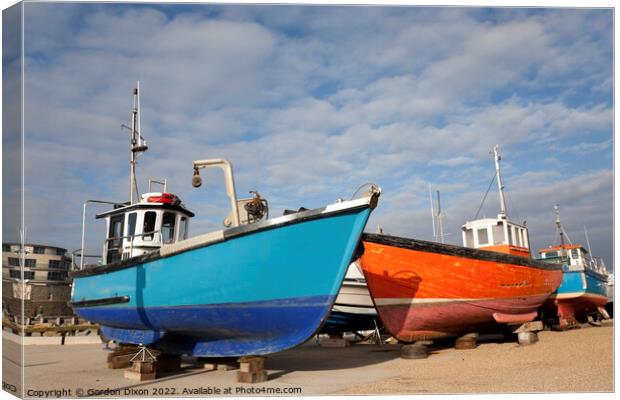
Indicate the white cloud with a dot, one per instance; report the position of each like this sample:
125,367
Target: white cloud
310,102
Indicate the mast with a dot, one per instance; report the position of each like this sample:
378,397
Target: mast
132,156
430,196
137,145
558,223
439,218
502,201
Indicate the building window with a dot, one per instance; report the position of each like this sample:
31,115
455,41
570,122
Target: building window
60,252
6,247
56,276
39,250
14,273
58,264
30,263
13,262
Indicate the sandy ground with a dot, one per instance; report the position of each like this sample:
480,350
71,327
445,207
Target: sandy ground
579,360
576,360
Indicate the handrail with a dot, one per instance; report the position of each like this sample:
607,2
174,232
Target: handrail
135,235
114,203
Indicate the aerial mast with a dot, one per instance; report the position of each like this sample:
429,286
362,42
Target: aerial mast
439,219
430,195
558,223
132,155
502,201
137,145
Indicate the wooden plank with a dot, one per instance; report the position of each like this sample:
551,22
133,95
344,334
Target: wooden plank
251,377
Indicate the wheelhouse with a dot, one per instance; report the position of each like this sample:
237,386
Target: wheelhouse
497,234
156,220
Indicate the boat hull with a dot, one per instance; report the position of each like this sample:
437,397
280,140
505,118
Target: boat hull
353,309
425,290
258,290
581,293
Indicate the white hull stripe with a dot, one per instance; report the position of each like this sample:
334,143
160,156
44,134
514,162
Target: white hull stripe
406,301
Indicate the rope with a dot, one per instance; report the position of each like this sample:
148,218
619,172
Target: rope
485,196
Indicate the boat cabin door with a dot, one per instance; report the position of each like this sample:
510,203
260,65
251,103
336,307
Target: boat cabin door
115,238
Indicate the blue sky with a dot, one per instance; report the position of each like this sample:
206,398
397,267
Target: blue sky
310,102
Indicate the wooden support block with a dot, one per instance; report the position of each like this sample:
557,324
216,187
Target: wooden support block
209,366
118,363
532,326
465,343
527,338
121,358
414,351
146,367
137,376
251,377
227,367
252,364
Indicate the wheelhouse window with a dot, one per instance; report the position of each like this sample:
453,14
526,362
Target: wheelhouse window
469,238
183,228
167,227
131,224
483,236
498,233
149,225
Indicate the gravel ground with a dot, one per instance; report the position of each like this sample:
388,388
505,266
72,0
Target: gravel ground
579,360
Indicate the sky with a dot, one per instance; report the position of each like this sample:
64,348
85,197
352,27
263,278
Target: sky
310,102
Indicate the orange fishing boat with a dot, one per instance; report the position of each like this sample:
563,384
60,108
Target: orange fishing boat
425,290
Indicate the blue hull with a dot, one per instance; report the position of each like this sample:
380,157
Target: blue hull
580,294
256,292
579,283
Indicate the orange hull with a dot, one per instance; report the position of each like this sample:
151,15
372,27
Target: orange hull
425,290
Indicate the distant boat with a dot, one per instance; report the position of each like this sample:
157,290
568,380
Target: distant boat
425,290
251,289
353,310
583,291
610,295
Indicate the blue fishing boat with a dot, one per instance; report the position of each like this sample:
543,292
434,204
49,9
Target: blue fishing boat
583,291
257,287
